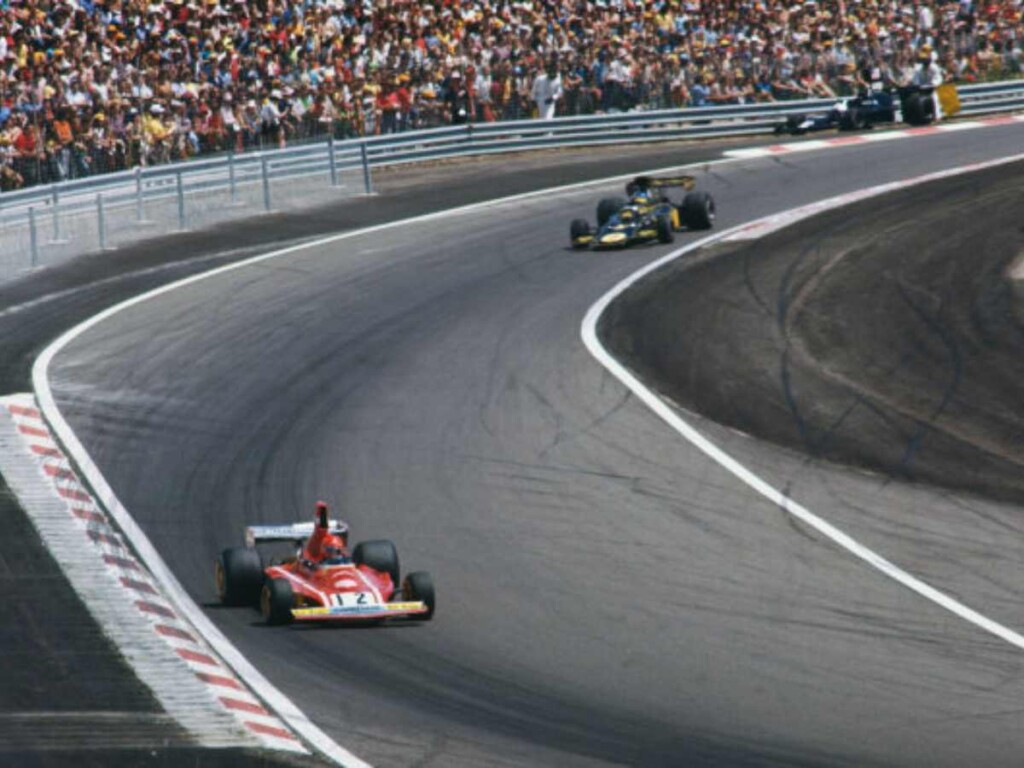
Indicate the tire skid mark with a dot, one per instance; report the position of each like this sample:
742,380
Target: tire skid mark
674,418
931,321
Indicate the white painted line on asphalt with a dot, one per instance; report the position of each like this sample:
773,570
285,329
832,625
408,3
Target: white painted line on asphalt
756,229
670,416
112,586
848,139
148,554
137,537
99,550
692,435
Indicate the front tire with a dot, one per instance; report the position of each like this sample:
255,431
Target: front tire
239,576
854,119
664,227
276,602
419,586
579,228
607,208
792,125
381,555
698,211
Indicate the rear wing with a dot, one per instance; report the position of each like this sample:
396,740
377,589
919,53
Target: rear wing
294,532
661,182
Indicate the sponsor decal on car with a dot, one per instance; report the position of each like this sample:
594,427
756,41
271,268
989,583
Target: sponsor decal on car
356,610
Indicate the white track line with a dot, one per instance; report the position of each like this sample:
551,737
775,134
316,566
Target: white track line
588,331
853,139
123,597
135,535
147,553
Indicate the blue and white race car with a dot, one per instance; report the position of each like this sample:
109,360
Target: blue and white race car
912,105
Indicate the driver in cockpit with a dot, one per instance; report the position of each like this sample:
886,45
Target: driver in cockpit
323,547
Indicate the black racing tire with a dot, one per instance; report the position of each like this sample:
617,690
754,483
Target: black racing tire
579,228
917,109
607,208
276,602
853,119
419,586
381,555
697,211
664,227
238,573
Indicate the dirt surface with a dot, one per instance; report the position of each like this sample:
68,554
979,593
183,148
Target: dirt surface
883,336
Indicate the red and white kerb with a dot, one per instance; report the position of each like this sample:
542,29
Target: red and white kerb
774,150
180,640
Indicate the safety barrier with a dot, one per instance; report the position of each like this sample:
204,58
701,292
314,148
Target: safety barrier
46,223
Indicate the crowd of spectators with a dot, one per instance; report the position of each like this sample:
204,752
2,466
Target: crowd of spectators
94,85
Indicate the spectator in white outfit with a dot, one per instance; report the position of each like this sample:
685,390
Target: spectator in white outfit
547,90
929,75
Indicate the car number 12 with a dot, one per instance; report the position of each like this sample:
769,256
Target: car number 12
351,599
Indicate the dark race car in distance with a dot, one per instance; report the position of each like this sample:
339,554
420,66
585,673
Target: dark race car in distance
911,105
647,216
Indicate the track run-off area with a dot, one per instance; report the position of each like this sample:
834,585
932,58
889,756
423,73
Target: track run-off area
607,593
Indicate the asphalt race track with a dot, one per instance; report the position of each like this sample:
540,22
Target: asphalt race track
937,402
62,679
607,594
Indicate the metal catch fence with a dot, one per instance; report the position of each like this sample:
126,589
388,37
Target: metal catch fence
46,224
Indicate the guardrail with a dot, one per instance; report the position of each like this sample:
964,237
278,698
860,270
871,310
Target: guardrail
257,180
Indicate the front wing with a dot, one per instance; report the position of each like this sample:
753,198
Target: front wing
644,233
408,609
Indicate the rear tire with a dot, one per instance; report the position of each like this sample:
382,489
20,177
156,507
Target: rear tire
276,602
917,109
579,228
607,208
698,211
853,119
792,125
419,586
381,555
665,233
239,576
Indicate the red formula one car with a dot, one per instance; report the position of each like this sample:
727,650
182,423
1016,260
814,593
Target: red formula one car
321,581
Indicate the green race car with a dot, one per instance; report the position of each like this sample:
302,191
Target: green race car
648,215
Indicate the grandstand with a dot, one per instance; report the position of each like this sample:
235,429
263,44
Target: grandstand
88,86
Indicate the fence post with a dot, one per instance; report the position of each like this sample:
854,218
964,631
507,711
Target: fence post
232,186
367,181
140,217
55,205
332,161
33,235
266,184
181,201
101,221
